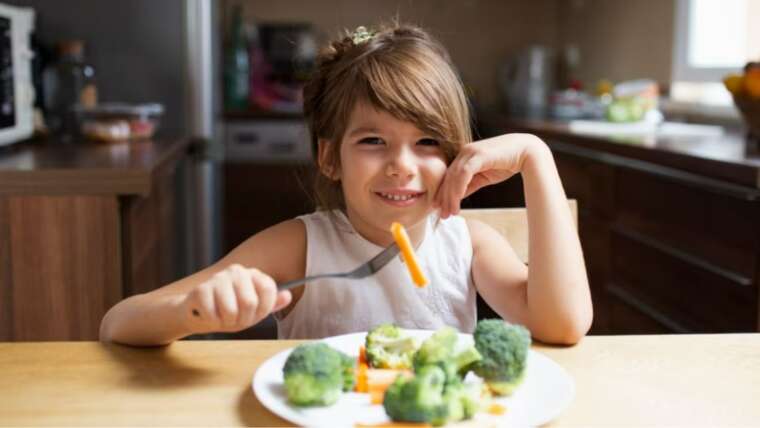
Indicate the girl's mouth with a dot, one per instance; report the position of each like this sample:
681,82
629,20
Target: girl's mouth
400,199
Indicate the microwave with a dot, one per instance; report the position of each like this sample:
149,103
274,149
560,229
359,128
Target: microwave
16,86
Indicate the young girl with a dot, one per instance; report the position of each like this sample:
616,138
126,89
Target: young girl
390,128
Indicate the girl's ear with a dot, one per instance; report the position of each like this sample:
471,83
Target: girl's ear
327,165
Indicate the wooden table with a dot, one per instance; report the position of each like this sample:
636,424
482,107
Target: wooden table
659,380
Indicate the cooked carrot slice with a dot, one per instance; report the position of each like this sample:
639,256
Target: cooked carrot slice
394,425
361,378
362,355
378,381
496,409
407,252
376,396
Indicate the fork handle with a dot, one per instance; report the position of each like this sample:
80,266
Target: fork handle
296,282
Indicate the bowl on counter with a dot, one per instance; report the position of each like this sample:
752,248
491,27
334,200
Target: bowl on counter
749,108
114,122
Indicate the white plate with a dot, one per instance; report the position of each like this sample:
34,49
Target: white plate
546,390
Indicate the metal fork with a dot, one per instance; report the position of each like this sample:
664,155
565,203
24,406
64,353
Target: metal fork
363,271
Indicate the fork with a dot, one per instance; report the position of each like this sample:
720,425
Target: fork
373,265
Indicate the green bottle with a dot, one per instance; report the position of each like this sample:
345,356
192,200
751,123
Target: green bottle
236,64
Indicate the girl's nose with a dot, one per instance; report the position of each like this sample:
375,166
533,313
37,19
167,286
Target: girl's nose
401,163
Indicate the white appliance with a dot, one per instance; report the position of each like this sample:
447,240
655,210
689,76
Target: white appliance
16,88
275,140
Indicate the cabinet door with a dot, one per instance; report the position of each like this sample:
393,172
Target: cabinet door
60,269
591,183
149,234
684,255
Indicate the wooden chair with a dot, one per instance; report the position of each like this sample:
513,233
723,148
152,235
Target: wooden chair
512,223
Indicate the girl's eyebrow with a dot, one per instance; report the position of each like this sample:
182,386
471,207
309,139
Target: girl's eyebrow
363,130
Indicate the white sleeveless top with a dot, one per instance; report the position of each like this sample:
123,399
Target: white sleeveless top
331,307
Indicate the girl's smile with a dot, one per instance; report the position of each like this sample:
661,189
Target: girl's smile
400,197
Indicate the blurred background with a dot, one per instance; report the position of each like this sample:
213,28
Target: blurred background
650,106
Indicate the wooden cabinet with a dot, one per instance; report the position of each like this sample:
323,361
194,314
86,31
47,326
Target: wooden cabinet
260,195
82,228
667,251
671,236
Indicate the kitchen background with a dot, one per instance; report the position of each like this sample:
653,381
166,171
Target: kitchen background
225,74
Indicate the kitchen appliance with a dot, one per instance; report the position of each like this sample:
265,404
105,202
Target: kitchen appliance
526,81
267,140
203,203
16,88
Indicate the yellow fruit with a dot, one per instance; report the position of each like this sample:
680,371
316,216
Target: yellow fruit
752,82
603,87
734,83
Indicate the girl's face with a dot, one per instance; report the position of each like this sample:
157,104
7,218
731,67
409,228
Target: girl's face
389,171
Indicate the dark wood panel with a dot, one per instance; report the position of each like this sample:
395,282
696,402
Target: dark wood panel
257,196
6,296
595,243
506,194
714,227
628,316
698,299
591,183
148,236
65,263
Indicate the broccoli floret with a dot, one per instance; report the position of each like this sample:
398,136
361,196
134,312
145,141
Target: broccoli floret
466,359
463,400
418,399
438,347
389,347
504,348
427,397
440,350
349,372
315,375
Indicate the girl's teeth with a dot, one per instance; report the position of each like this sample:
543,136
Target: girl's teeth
397,197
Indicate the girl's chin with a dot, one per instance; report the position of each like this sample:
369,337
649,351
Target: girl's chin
382,219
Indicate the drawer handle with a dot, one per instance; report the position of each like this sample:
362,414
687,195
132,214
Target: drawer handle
248,139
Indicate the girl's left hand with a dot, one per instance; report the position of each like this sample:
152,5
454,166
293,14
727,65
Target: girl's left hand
481,164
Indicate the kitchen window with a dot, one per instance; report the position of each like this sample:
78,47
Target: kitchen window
712,39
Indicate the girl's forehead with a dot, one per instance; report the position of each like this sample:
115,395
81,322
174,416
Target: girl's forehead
366,116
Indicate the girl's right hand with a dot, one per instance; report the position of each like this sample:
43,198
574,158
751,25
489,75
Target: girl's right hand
232,300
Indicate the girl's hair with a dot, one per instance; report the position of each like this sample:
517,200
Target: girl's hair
397,68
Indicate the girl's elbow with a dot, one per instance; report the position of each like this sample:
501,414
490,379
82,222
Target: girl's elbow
105,333
577,328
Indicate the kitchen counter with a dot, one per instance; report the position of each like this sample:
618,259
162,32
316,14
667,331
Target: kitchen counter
729,157
655,380
52,167
82,226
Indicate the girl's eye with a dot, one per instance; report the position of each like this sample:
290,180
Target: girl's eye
428,142
372,141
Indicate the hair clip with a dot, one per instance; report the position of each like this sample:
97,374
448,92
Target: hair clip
361,35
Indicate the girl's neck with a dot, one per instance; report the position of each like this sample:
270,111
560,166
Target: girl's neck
383,238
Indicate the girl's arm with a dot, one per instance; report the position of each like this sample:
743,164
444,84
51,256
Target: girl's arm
230,295
550,296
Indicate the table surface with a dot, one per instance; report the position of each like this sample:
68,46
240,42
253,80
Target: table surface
629,380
